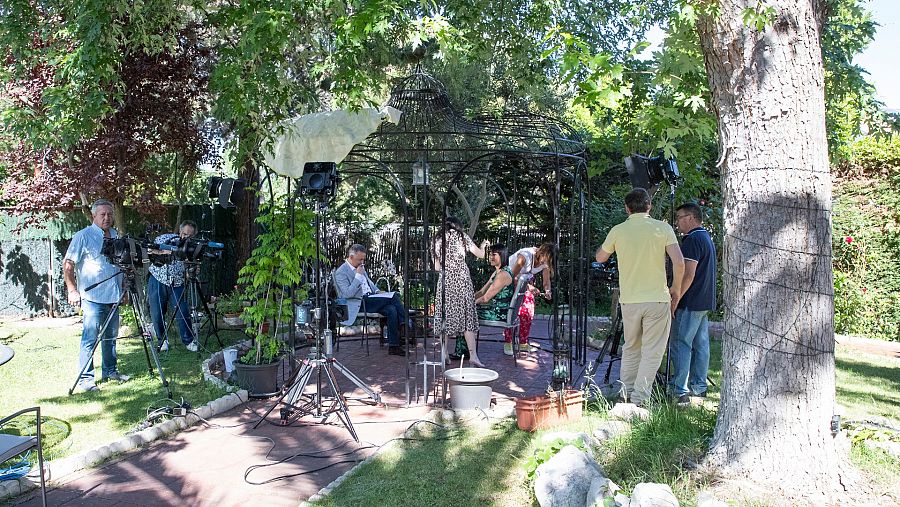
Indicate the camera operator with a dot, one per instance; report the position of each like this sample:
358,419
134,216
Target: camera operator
165,288
641,244
84,266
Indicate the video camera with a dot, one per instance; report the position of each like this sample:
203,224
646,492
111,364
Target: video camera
606,271
125,251
191,249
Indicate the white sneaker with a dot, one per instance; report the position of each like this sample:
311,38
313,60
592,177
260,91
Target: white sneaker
165,346
191,346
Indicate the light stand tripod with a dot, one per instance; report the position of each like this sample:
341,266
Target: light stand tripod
610,347
148,338
672,180
193,293
320,362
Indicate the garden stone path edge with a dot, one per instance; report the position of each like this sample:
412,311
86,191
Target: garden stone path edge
60,469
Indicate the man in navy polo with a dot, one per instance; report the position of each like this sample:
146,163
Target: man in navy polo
690,342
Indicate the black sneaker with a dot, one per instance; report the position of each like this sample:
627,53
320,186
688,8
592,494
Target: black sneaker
683,400
699,395
396,350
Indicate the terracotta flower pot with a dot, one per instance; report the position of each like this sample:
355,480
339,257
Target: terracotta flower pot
542,411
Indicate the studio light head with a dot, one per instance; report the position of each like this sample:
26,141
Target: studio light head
319,179
229,191
645,172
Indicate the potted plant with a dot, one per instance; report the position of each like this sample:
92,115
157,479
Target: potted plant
230,307
257,370
276,266
549,409
270,277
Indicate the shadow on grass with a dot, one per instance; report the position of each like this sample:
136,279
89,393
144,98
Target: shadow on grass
440,467
889,375
128,403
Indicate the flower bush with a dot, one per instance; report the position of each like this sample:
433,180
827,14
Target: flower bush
866,241
230,303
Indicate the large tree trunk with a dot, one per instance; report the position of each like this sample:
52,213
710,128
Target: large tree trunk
778,388
247,211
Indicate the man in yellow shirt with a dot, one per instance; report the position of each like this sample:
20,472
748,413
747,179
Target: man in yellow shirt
641,244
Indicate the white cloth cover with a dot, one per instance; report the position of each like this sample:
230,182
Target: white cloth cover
324,137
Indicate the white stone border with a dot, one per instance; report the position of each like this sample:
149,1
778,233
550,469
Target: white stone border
57,470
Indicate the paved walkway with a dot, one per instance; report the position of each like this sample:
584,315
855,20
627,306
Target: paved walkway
207,464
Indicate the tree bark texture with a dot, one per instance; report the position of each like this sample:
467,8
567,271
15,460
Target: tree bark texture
247,211
778,387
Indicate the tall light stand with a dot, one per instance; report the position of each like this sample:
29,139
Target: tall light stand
320,362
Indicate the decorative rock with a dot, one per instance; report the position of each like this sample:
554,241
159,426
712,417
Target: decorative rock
892,448
610,429
652,494
707,499
622,500
629,411
600,489
92,457
564,479
569,437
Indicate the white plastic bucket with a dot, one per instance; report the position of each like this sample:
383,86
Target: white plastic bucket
470,387
229,356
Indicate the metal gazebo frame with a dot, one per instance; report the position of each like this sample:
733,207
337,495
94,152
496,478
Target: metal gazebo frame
433,148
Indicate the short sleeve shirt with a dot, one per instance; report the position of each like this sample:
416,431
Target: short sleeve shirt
697,246
640,246
92,267
529,269
171,274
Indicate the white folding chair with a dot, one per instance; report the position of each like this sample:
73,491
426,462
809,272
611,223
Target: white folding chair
15,445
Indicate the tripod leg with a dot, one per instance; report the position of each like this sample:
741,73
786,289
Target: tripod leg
90,359
149,338
356,380
342,412
604,350
209,316
292,393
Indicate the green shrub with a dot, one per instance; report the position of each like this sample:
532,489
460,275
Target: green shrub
866,240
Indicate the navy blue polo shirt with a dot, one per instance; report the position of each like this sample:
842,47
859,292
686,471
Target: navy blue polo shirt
697,245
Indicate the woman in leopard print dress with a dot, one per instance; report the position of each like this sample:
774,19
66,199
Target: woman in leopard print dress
454,301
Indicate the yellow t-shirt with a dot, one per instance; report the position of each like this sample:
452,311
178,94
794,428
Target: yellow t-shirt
640,245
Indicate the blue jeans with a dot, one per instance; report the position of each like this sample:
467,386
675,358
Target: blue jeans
161,297
393,311
93,316
689,352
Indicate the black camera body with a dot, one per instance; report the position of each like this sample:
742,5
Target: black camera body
125,251
606,271
192,249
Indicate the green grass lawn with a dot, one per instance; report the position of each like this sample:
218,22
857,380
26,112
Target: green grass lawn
46,364
477,465
483,465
